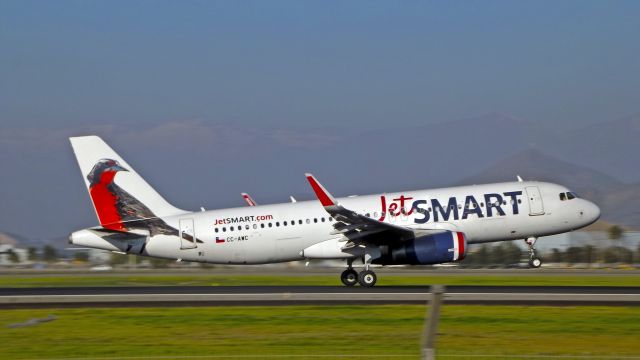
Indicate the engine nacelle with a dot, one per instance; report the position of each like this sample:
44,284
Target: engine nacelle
425,250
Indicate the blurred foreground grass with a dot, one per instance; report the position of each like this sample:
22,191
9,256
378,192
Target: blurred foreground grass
330,332
301,278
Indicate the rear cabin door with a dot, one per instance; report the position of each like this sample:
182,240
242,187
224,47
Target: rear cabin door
536,207
187,234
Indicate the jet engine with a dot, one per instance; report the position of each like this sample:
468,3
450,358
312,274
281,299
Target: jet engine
425,250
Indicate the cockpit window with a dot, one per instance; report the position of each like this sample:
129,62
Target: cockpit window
568,196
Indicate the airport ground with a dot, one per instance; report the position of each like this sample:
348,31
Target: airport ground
320,331
303,276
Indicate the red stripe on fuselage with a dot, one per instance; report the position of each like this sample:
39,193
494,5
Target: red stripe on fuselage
105,202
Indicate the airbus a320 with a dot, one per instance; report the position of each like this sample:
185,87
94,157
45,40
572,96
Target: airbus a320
415,227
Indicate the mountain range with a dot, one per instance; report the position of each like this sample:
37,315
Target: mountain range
197,163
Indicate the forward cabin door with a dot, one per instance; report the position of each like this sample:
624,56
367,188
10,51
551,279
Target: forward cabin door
536,207
187,234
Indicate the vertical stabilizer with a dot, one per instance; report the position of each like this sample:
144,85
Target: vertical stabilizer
118,193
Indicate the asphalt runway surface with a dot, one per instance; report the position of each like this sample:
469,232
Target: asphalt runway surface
161,296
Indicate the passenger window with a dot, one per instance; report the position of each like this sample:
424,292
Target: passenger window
224,229
216,229
481,204
563,197
330,218
519,201
262,226
308,221
246,227
277,223
284,223
322,219
315,220
300,222
270,225
255,226
230,228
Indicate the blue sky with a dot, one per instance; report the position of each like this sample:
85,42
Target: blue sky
316,63
263,91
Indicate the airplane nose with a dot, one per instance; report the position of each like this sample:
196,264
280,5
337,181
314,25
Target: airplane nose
591,212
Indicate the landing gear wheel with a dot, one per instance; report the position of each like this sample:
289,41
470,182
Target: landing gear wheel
535,262
367,278
349,277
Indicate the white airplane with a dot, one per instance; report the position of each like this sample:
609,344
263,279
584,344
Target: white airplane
411,227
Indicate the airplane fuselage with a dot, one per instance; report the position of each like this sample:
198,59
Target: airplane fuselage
282,232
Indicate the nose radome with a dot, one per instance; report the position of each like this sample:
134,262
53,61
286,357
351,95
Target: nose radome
592,212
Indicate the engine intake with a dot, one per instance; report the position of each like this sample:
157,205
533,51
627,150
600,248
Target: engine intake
425,250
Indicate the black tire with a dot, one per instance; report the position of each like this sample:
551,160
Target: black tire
349,277
367,278
535,263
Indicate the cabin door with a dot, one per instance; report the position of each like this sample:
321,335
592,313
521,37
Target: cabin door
187,234
536,206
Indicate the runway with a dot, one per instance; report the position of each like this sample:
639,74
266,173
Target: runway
310,295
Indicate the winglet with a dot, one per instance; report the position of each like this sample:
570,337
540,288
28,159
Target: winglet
326,199
292,199
248,199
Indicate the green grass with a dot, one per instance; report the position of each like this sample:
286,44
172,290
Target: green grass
301,278
334,332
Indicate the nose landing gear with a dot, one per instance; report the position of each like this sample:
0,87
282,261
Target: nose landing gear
534,260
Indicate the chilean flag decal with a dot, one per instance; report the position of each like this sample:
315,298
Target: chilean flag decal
219,240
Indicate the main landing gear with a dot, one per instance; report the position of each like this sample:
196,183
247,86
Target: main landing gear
366,278
349,277
534,260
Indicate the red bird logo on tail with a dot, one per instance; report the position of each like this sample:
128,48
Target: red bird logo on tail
117,209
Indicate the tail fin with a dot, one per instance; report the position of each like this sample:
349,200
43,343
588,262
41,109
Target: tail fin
118,193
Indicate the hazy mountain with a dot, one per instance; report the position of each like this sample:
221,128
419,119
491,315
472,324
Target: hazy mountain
535,165
194,163
610,147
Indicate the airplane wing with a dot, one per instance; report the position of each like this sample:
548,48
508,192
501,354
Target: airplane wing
248,199
356,227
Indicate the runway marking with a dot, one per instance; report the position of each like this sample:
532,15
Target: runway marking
363,294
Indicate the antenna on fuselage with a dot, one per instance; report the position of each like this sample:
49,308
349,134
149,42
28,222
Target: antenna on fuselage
519,178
